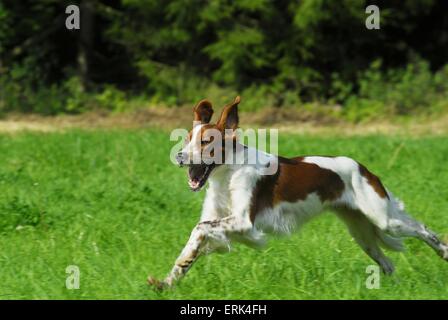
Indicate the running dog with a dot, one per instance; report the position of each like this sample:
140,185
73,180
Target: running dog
242,202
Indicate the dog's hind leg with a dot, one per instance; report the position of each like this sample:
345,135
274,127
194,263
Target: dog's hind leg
402,225
366,235
387,213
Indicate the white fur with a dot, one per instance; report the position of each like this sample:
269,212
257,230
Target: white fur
192,148
288,217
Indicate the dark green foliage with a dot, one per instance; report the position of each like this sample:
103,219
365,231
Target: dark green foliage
276,53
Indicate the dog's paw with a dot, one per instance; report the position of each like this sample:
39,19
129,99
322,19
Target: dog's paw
156,284
388,269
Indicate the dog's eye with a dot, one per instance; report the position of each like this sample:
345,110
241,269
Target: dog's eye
203,142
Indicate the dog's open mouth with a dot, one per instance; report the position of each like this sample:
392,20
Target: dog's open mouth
198,175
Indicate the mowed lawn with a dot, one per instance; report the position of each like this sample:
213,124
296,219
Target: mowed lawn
111,203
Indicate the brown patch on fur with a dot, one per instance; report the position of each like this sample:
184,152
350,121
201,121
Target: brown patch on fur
211,223
157,284
262,196
203,111
297,181
294,181
289,161
201,237
229,116
204,129
374,181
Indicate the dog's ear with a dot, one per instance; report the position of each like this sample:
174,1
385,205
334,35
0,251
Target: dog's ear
203,111
229,116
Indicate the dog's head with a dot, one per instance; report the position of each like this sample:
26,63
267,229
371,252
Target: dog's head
205,145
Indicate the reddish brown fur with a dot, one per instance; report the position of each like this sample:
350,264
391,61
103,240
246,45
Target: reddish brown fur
294,181
229,116
203,111
374,181
297,181
262,196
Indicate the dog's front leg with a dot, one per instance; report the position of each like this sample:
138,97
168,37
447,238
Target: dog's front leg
215,230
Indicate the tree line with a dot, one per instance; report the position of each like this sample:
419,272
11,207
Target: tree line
281,52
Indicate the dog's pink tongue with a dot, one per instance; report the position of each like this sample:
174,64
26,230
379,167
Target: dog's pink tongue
193,183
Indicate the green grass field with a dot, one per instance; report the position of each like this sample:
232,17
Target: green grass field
111,202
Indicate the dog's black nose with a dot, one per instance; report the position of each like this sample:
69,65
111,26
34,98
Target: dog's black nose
180,158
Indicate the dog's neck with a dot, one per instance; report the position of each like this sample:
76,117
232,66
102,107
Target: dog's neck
243,156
